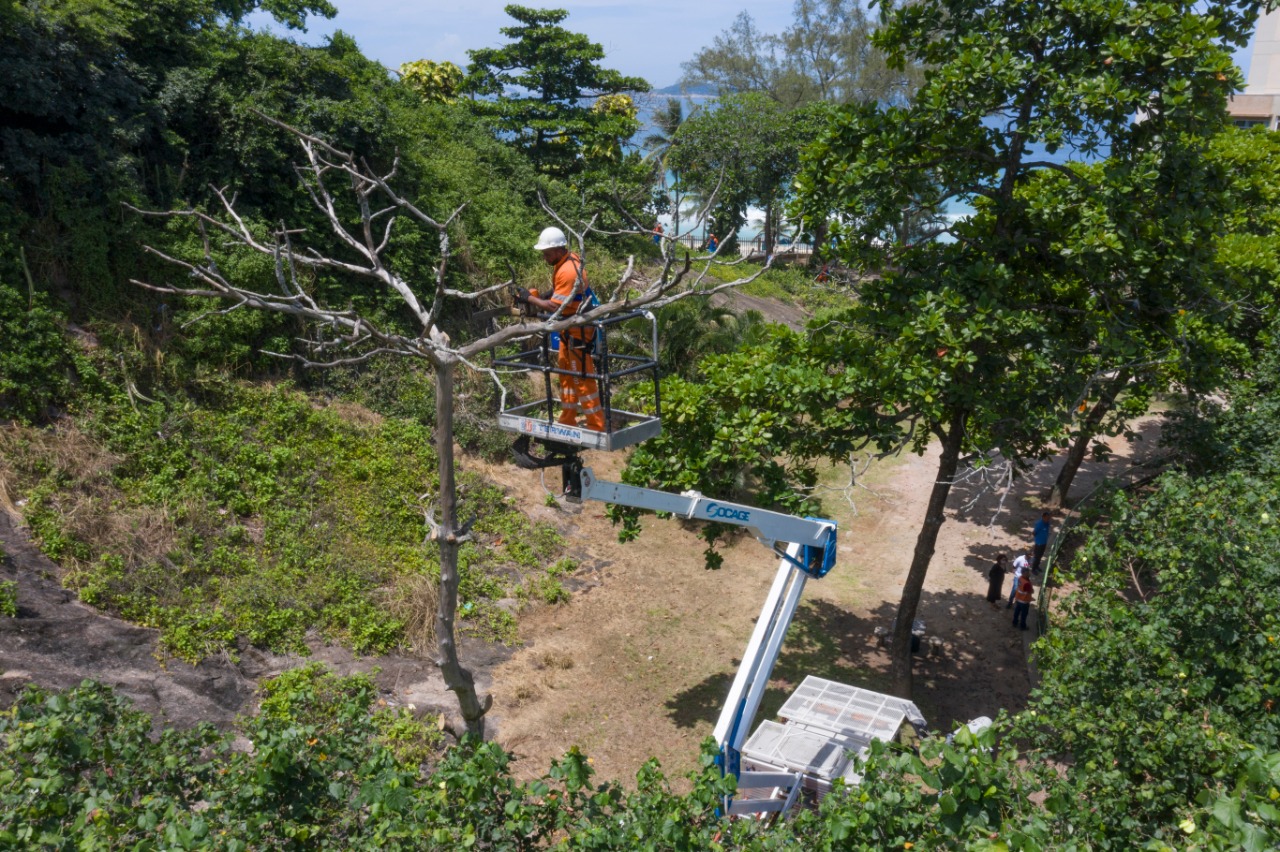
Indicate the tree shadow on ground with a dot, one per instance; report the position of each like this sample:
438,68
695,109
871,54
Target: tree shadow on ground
823,640
982,556
831,643
974,499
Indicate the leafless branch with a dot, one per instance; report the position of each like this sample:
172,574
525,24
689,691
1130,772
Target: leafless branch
859,465
993,474
378,205
1137,584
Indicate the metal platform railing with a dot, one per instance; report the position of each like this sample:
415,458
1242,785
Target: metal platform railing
618,356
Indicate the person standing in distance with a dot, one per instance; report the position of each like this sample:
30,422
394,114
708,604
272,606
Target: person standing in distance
1040,537
995,582
1023,593
1021,565
579,389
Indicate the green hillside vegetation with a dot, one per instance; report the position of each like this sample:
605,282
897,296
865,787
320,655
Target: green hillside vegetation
259,514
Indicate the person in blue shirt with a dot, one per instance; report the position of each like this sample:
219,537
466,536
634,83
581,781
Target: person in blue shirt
1040,536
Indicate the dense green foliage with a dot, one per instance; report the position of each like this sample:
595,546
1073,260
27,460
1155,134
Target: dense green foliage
317,769
1175,638
100,106
535,88
1239,431
37,365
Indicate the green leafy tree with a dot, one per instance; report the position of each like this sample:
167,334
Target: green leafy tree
1185,311
434,81
535,88
746,430
1240,428
826,54
1249,247
743,152
965,341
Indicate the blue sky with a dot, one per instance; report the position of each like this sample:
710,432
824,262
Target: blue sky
647,39
644,38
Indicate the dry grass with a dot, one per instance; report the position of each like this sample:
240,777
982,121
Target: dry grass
414,601
524,693
351,412
89,505
553,660
5,502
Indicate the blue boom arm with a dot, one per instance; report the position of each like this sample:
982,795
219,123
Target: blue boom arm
816,536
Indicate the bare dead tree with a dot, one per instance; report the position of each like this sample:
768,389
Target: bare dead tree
346,337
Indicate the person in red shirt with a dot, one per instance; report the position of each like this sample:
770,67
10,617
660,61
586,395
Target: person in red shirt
1022,600
579,389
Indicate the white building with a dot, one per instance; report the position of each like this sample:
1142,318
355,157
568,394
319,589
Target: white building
1259,104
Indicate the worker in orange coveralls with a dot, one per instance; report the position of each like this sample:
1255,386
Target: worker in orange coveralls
579,393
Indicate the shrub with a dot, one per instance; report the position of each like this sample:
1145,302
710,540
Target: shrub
37,364
8,598
1174,633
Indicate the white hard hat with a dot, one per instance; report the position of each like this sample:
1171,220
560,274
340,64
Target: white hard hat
550,238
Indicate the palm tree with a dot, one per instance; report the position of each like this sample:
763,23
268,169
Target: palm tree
666,121
695,328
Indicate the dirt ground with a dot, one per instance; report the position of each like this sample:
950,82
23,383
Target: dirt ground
638,662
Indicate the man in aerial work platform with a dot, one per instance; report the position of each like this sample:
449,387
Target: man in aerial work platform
579,390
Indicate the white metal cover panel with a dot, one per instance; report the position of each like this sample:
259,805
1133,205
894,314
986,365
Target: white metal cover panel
816,753
844,710
531,419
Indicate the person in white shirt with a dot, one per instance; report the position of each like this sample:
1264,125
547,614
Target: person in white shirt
1020,564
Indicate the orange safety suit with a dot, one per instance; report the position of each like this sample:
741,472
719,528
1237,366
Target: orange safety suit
579,390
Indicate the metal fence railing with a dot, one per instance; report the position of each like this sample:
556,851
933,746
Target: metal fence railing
698,244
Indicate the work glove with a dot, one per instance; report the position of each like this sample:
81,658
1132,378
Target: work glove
522,294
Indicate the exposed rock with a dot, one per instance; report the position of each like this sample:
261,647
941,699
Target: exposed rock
56,642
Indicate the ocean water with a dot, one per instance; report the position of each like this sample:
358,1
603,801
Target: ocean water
957,208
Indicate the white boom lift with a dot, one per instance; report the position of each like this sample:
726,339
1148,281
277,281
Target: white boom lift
808,549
